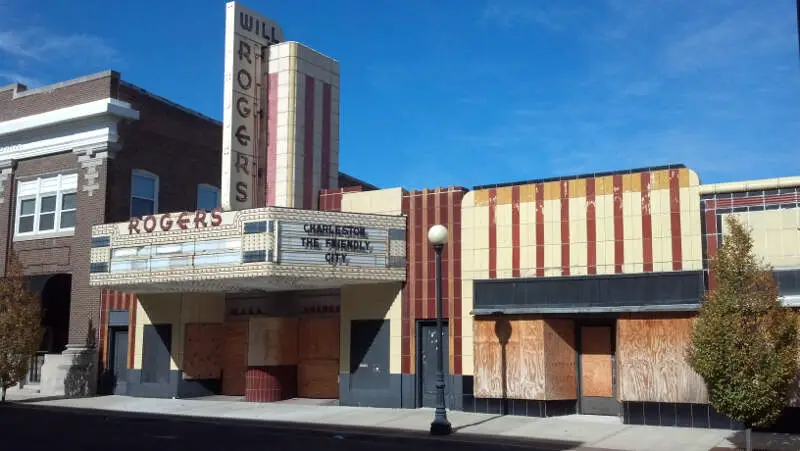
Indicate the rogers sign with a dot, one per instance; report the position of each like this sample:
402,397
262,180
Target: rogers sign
170,221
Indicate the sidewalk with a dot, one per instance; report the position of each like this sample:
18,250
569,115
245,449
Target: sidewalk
592,432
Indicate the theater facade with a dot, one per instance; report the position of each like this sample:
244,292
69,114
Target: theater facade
573,294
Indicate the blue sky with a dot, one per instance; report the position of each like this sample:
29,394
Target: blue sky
469,92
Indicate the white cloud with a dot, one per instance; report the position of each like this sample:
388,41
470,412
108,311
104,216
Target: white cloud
16,77
550,15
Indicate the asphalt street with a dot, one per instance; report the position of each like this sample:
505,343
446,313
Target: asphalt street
32,428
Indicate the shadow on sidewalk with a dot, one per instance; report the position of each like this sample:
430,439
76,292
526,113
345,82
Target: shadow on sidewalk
770,441
348,431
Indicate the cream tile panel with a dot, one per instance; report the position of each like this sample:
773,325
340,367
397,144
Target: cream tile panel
776,235
385,201
578,240
691,231
662,230
604,211
632,232
505,242
552,237
467,342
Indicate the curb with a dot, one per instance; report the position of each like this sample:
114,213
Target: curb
347,431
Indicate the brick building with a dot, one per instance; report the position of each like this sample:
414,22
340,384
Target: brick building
80,153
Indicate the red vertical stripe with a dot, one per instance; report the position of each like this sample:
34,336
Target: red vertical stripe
492,234
272,138
675,218
405,343
459,314
591,227
419,244
540,230
430,260
647,224
444,219
565,228
308,144
619,237
515,255
103,326
325,173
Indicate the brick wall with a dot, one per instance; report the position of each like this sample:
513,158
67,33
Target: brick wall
183,149
62,95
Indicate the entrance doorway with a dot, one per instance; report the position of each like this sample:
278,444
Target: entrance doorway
596,369
119,359
428,342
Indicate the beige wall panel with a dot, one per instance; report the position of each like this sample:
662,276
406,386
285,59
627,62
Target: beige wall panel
604,211
505,242
662,230
691,228
776,235
527,239
383,201
552,237
372,301
632,231
578,244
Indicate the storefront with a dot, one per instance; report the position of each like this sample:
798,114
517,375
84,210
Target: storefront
246,303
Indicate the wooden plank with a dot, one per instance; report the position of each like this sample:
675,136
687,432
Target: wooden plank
202,351
596,362
318,378
318,338
559,341
234,360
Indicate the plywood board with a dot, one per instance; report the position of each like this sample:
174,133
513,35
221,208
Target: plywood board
596,362
559,344
651,359
318,378
234,358
202,351
318,338
509,358
273,341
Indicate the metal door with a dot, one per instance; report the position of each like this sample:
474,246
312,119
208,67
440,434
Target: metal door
428,342
119,360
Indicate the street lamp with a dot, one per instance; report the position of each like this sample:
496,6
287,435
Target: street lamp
437,235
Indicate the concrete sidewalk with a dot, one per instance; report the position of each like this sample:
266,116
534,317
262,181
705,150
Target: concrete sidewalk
592,432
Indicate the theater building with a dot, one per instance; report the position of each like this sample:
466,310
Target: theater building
573,294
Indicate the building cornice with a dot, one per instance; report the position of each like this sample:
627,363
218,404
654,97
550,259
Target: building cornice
86,126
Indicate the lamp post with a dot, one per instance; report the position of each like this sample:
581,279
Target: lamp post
437,235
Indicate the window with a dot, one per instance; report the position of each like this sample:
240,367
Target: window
144,193
207,197
46,204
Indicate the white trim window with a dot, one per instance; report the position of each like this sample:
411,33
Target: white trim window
144,193
207,197
46,205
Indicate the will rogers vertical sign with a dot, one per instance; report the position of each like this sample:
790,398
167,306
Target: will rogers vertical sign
247,37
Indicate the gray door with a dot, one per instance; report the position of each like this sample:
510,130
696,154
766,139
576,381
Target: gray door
369,357
428,343
119,360
597,370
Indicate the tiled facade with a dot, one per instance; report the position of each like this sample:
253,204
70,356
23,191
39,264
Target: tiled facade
529,271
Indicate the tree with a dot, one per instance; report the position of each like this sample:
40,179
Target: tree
744,342
20,326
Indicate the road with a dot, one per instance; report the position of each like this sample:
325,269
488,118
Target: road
26,428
